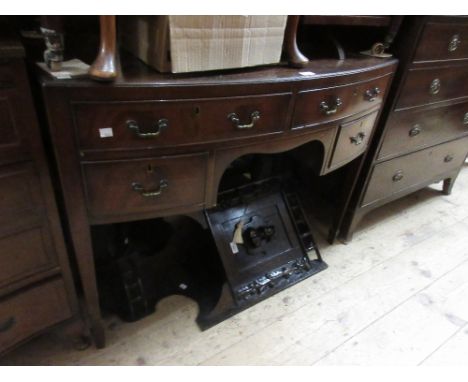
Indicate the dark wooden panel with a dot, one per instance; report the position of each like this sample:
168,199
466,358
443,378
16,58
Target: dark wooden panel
442,41
367,20
18,190
110,191
410,130
311,105
31,311
25,253
8,133
193,121
352,140
400,173
7,74
427,86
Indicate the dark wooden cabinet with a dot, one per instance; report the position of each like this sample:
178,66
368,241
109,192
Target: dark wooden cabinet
151,145
36,287
422,136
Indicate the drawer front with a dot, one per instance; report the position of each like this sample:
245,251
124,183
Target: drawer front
8,130
31,311
317,106
8,77
410,130
145,185
401,173
426,86
352,139
26,252
148,124
442,41
25,243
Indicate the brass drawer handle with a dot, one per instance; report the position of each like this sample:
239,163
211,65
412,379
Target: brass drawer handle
435,86
234,118
398,176
448,158
465,119
7,324
358,139
372,94
331,109
454,43
415,130
160,126
137,187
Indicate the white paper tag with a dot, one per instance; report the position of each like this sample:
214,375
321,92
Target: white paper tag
307,73
62,75
106,132
234,248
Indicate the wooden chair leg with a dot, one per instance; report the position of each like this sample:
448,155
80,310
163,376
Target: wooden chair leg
104,68
294,55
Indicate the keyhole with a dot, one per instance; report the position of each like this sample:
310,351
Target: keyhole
197,110
150,168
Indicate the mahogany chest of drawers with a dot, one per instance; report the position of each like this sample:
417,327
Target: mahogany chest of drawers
151,145
423,133
36,287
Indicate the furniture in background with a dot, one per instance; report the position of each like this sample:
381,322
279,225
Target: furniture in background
36,286
423,133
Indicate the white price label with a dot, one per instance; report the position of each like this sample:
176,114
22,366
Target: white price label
234,248
106,132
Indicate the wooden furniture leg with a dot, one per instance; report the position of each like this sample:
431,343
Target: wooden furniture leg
104,68
294,55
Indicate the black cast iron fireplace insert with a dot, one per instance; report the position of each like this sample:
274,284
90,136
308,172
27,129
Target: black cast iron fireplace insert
254,243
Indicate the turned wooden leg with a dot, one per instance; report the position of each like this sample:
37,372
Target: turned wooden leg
448,185
104,68
294,55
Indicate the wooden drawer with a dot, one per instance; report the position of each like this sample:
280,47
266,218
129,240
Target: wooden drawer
426,86
352,139
442,41
8,130
20,195
27,313
398,174
26,252
410,130
145,185
317,106
25,243
123,125
8,76
13,147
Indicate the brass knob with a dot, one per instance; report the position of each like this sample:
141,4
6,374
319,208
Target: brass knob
415,130
448,158
454,43
435,86
398,176
332,108
372,94
358,139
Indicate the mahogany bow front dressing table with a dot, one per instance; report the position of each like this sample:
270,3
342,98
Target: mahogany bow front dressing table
151,145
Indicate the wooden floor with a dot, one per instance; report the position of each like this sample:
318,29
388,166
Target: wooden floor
396,295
